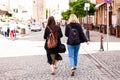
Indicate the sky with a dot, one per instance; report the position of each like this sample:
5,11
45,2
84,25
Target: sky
57,7
63,4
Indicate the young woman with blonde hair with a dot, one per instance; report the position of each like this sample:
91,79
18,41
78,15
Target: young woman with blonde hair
73,48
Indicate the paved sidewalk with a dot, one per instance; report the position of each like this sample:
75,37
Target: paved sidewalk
24,59
95,37
97,66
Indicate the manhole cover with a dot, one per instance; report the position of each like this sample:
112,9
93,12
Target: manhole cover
15,73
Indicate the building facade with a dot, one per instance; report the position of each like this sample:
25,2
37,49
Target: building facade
38,10
4,5
24,9
114,12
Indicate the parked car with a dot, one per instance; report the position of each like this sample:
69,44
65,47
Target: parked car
36,27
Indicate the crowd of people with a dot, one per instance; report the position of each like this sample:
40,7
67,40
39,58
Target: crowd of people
8,29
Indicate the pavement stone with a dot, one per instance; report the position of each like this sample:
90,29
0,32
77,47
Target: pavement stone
24,59
91,67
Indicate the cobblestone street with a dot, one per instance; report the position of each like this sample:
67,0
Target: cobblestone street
25,59
87,31
91,67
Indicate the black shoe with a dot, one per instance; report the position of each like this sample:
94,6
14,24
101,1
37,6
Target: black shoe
52,73
55,67
73,73
74,68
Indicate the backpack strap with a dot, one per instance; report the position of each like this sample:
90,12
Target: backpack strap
50,29
70,27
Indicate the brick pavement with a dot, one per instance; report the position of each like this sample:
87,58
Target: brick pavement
96,66
29,65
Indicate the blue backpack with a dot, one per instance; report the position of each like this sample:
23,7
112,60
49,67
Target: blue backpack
73,37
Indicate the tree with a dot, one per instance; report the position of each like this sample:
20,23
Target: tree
65,15
46,13
77,7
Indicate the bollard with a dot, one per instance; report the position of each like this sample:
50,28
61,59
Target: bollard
101,43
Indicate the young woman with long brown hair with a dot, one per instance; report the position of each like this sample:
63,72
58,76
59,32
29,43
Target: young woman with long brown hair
52,53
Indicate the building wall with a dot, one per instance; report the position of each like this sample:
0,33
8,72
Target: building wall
101,15
116,5
26,8
39,10
114,19
4,4
117,10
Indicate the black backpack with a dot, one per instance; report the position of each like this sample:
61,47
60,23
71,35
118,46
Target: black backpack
73,36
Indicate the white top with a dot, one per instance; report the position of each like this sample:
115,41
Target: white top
13,26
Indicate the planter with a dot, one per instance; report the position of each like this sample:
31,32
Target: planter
117,31
22,31
101,28
91,27
104,29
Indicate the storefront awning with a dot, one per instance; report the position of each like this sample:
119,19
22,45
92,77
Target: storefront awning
3,9
98,5
2,12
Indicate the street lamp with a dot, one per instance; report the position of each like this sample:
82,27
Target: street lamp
86,8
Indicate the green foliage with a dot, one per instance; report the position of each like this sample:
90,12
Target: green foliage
92,9
77,7
65,15
5,18
46,13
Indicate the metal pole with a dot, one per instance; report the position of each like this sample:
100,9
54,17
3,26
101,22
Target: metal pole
87,26
101,43
107,25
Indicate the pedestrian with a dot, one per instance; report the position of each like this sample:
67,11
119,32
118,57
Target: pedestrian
5,30
12,30
74,46
15,28
53,55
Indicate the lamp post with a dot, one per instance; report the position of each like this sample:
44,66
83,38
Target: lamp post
86,8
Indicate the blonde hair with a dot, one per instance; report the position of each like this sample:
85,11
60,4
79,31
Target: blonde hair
73,19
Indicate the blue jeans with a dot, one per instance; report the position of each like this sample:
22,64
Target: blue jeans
73,54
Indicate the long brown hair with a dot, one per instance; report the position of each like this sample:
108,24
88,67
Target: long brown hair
52,25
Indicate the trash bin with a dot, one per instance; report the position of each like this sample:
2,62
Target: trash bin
101,28
91,27
104,29
22,31
117,31
112,30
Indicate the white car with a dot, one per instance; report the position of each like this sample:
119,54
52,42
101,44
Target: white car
36,27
